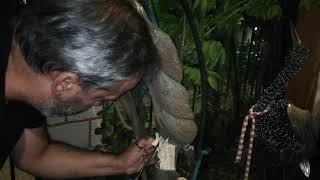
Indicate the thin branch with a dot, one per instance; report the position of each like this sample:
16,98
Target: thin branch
204,77
122,119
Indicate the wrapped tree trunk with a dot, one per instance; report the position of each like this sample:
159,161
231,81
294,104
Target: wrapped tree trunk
174,117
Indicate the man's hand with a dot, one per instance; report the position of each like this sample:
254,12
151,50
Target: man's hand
137,154
35,155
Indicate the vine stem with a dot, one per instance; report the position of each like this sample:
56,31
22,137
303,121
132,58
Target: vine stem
203,72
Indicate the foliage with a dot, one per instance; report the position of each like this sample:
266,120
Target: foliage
214,53
216,20
210,18
308,4
234,11
202,7
265,9
115,138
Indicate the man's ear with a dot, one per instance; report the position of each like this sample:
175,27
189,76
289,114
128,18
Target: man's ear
65,85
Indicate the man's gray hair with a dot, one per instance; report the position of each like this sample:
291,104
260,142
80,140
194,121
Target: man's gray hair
103,41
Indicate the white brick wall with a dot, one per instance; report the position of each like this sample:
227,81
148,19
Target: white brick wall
77,130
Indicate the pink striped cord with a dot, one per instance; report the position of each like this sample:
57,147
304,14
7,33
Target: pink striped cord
251,116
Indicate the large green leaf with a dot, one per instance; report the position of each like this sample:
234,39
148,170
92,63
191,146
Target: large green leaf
214,52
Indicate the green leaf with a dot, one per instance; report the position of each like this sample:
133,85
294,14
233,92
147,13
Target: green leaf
196,4
195,76
204,7
214,52
192,74
274,11
213,82
215,75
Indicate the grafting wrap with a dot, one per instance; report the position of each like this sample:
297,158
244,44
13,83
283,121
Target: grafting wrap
274,128
276,90
275,131
269,118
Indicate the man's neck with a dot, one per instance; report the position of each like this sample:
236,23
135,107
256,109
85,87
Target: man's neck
21,82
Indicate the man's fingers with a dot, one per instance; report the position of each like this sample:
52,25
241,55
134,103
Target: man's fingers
145,144
139,145
146,141
149,151
149,147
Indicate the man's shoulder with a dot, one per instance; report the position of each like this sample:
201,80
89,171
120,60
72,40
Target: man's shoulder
25,114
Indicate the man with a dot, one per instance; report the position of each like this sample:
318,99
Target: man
63,57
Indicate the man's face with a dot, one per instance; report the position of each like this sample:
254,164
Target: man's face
82,100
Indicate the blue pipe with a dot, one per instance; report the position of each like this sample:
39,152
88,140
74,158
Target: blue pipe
197,166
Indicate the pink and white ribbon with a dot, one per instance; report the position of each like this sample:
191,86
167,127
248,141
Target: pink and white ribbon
251,116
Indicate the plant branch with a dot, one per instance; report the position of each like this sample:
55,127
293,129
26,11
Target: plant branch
122,119
204,77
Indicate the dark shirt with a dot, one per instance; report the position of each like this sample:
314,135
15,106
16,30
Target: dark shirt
14,116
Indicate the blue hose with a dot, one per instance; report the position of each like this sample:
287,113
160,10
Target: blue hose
197,166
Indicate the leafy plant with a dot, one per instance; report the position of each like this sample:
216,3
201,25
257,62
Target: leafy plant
214,54
114,137
308,4
202,7
265,9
